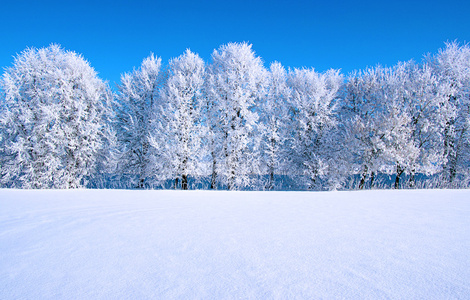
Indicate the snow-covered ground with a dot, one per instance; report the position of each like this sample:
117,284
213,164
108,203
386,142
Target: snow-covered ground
96,244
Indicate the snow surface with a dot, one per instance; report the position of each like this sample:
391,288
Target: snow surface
97,244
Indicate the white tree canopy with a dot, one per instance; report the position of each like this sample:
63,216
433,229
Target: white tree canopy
452,66
138,94
178,130
274,117
312,109
234,124
236,82
55,119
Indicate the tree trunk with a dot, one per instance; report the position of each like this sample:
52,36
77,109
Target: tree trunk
140,184
455,157
372,179
231,180
271,167
271,180
363,178
449,152
452,169
184,182
214,174
412,181
397,179
361,183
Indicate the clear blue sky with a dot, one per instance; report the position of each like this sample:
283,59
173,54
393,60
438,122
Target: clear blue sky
115,36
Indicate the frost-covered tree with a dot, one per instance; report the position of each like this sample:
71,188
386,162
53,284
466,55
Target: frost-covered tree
54,120
395,121
452,66
398,148
138,94
312,109
363,117
379,123
424,98
235,84
3,137
273,110
213,135
178,131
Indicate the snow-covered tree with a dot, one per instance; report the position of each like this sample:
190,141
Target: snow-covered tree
399,150
137,96
363,118
236,80
3,137
273,111
452,66
379,123
312,109
213,135
395,121
425,101
178,131
54,121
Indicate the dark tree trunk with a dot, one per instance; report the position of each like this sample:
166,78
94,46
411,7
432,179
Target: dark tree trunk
271,181
363,178
214,174
397,179
184,182
412,181
361,183
140,184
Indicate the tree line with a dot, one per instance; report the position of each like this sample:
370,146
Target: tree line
234,123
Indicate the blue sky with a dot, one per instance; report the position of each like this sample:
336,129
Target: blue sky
115,36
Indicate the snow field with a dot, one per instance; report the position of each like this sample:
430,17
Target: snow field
115,244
